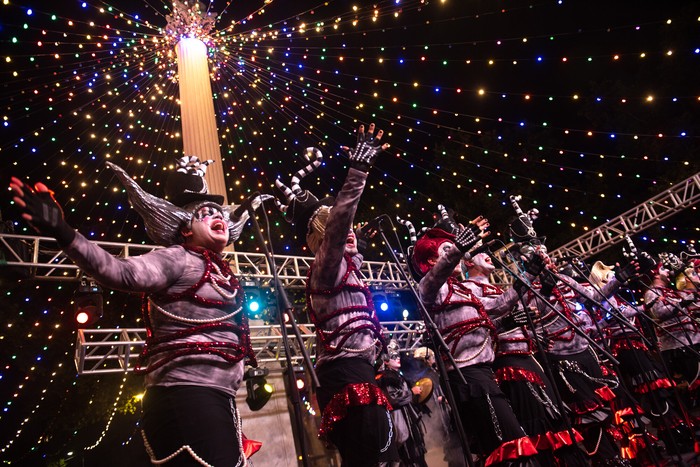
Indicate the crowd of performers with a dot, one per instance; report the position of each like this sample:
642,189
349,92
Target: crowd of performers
563,367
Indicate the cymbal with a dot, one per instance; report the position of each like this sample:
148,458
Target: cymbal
426,385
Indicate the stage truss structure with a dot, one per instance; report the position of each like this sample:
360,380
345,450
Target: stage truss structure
100,351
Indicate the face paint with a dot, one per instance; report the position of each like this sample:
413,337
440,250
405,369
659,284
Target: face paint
483,262
208,211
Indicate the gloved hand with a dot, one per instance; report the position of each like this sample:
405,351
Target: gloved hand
366,150
535,264
627,272
514,319
646,262
43,212
467,237
548,281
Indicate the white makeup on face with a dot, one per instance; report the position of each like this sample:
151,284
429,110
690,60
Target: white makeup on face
207,212
208,229
483,262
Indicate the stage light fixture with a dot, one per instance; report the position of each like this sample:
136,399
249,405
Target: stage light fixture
258,390
379,299
87,302
255,299
300,377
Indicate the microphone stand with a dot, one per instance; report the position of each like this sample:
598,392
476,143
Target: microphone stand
283,304
540,350
561,315
438,341
623,322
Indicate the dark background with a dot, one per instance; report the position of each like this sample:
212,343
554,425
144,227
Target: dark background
564,119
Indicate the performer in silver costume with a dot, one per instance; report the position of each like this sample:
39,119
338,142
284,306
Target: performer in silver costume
197,333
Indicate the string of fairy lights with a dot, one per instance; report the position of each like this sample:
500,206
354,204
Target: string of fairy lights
95,82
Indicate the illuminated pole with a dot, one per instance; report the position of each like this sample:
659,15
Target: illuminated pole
199,134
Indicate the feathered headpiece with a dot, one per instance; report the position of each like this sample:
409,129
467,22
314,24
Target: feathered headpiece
165,220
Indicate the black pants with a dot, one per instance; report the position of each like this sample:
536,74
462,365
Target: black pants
191,415
362,436
485,412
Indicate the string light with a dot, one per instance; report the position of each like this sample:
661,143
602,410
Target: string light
543,112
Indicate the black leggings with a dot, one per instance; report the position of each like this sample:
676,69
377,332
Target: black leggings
191,415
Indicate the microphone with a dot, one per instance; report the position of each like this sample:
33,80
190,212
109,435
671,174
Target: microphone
525,229
374,224
484,248
246,205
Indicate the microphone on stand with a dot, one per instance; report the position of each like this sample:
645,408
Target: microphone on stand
522,228
375,224
484,248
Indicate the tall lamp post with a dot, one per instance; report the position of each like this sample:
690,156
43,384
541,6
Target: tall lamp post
187,25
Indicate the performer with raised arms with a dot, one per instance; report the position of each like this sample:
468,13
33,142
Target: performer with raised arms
197,333
469,332
520,376
356,414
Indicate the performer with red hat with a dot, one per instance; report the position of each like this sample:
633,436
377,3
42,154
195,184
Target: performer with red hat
469,333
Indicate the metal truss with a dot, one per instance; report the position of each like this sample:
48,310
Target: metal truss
652,211
662,206
47,262
117,350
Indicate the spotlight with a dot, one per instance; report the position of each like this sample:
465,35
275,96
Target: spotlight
255,299
258,389
380,301
390,305
87,302
300,377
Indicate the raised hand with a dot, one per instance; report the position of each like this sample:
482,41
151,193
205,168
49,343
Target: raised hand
368,147
471,234
535,264
627,272
514,319
42,211
646,262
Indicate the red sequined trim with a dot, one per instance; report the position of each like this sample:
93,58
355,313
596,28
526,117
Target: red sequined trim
620,415
553,441
242,349
605,393
636,443
695,385
487,289
454,333
512,373
615,433
521,447
580,408
352,395
627,344
663,383
326,337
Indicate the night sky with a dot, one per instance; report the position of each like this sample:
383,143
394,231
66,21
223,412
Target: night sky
585,108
